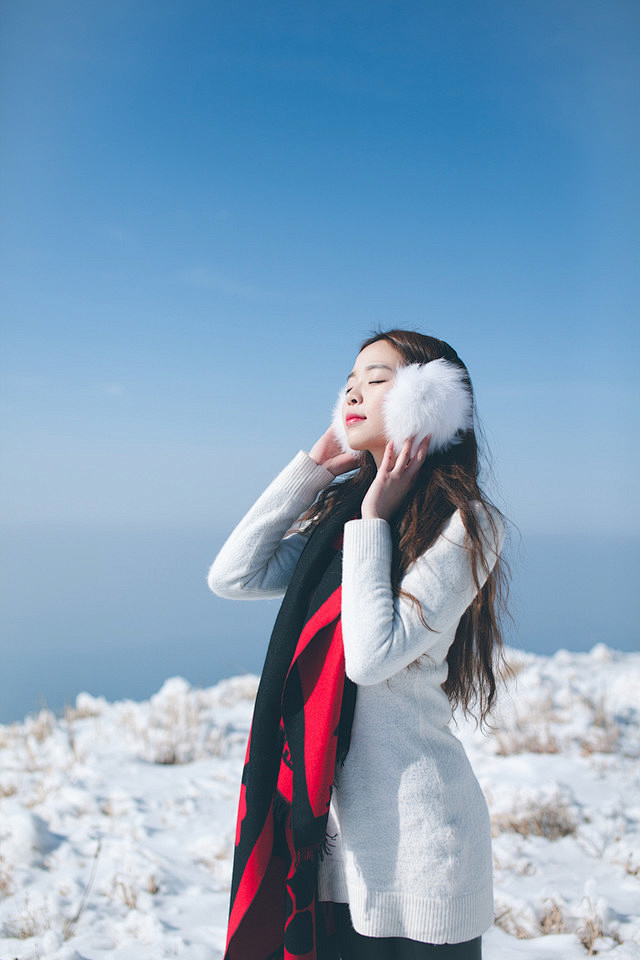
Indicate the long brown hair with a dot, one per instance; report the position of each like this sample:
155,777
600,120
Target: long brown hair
447,481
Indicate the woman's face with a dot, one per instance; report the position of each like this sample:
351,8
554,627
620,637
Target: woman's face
368,383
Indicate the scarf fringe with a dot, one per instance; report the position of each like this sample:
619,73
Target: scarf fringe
307,855
328,845
317,852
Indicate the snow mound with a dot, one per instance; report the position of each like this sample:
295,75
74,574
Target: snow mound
117,820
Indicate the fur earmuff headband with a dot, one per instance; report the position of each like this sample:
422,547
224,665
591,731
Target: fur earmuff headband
425,398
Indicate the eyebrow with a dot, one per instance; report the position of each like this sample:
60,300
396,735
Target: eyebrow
373,366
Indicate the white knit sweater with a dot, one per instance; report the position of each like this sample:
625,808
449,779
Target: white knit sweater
412,851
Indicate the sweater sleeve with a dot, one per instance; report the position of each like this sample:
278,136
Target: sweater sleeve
382,633
257,560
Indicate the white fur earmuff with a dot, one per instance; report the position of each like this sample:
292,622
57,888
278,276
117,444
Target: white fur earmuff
425,398
428,398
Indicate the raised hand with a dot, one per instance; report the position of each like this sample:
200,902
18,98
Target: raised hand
328,453
393,480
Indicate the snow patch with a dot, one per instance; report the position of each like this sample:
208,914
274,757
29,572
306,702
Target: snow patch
117,820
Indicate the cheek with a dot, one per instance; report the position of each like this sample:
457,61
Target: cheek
381,400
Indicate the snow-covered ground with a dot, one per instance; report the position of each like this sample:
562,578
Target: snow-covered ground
117,820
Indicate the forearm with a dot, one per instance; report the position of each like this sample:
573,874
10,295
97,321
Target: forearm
256,561
384,633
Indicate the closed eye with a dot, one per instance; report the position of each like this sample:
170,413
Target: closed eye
370,382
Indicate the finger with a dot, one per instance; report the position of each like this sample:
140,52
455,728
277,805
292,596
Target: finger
388,458
420,455
423,448
404,456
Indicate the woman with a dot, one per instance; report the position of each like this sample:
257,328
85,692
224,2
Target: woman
362,831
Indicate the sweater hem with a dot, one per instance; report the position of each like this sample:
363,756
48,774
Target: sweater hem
425,919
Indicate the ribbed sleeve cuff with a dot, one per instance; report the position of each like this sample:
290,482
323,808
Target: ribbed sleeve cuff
304,478
368,539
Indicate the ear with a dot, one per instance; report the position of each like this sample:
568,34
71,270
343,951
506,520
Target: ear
428,398
338,424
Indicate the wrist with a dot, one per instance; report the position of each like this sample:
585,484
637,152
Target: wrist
316,455
319,462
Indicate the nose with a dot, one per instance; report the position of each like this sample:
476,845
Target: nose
354,395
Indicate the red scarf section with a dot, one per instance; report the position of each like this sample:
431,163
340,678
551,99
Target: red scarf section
285,797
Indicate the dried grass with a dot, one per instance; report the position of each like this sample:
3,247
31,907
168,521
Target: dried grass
6,884
552,921
69,716
552,820
83,712
30,923
127,892
175,733
600,741
526,739
508,922
542,727
593,929
71,923
42,726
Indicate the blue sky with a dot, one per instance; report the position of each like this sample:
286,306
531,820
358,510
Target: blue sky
206,206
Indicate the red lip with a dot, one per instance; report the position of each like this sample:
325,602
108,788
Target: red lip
353,418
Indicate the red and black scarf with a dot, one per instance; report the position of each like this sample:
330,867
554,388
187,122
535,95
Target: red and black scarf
301,725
